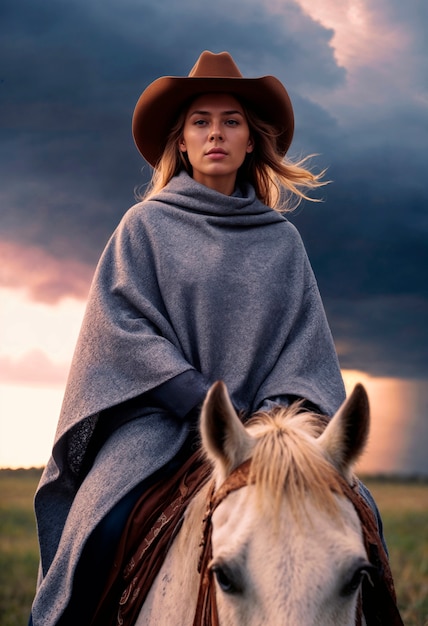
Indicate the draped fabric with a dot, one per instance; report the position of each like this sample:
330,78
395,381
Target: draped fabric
193,285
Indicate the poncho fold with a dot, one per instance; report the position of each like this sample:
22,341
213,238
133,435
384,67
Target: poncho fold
192,286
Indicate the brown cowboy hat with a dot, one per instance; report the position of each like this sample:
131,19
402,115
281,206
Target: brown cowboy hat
159,104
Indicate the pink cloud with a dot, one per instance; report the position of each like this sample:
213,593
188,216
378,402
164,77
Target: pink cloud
33,368
46,278
365,33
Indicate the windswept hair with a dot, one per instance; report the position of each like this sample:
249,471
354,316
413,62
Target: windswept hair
278,182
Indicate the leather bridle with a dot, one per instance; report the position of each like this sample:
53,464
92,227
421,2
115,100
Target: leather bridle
206,608
378,604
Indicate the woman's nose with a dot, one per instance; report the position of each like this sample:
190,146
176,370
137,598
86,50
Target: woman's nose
215,133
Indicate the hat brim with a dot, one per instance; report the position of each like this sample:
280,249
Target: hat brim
158,107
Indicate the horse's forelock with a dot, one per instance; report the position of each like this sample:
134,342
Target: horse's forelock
287,461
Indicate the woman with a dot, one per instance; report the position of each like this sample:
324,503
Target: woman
203,280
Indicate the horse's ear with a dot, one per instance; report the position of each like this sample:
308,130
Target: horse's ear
345,437
224,437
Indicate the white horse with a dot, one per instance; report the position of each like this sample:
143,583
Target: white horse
287,548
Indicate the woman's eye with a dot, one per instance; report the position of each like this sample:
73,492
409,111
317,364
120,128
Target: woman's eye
200,122
232,122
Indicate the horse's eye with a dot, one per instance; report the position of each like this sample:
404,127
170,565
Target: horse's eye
353,584
224,579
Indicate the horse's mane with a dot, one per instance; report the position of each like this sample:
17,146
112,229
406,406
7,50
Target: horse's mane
286,457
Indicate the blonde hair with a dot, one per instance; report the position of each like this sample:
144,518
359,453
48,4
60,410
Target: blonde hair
278,182
286,459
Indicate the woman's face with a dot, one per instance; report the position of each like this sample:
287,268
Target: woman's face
216,138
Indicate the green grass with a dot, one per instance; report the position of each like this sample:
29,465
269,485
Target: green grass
403,505
18,545
404,509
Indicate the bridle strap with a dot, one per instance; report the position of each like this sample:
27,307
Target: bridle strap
206,607
378,603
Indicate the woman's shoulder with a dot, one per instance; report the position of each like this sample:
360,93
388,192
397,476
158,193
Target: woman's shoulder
140,213
291,230
140,209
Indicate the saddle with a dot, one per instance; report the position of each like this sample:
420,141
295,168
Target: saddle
151,528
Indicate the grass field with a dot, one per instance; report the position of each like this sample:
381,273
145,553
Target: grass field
404,508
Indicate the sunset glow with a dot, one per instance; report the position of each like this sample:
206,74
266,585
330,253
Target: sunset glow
390,402
40,337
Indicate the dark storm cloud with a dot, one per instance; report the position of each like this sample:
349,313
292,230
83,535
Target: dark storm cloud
368,243
384,335
71,73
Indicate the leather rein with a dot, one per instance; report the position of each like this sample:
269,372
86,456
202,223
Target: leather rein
379,603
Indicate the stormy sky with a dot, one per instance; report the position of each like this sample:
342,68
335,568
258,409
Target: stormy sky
357,73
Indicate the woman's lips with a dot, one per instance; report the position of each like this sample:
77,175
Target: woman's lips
216,153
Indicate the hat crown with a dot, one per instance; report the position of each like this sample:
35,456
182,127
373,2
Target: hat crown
211,65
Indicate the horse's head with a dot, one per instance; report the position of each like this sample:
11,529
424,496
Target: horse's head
287,548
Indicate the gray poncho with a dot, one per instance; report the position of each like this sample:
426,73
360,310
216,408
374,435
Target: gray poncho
193,287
